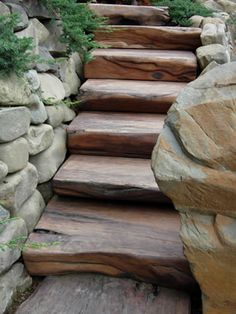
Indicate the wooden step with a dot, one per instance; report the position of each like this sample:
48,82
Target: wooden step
127,14
115,134
116,239
96,294
151,37
128,95
137,64
108,178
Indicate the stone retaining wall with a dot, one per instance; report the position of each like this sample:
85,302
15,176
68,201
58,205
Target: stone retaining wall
32,135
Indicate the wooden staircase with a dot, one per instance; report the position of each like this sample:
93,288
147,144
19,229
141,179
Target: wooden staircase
109,216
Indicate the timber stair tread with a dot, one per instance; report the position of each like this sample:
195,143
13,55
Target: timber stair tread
97,294
128,95
127,14
117,239
142,64
114,134
104,177
150,37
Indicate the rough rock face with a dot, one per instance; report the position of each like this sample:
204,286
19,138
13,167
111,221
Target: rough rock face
194,163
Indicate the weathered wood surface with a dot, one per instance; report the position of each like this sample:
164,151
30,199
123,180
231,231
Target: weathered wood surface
108,178
117,239
128,95
127,14
96,294
135,64
151,37
114,134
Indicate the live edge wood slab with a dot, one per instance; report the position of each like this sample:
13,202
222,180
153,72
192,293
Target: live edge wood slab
131,14
137,64
128,95
97,294
114,134
116,239
104,177
150,37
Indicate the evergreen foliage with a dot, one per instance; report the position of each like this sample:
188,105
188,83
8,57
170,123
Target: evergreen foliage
15,53
182,10
78,23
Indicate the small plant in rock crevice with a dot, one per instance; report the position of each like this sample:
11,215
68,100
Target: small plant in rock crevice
182,10
78,24
15,53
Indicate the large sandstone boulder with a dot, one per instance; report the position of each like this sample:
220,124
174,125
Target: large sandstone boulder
51,87
194,163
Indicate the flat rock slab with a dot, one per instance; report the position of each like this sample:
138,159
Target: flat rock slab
108,178
114,134
94,294
138,64
128,95
151,37
117,239
127,14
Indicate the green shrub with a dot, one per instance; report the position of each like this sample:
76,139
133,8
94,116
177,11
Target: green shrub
78,23
182,10
15,53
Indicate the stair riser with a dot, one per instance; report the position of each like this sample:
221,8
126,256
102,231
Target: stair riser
126,145
150,38
150,69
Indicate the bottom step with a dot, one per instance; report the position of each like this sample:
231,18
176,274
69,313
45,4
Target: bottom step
95,294
116,239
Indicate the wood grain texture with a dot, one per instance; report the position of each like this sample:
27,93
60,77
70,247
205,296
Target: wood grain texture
151,37
108,178
135,64
128,95
114,134
96,294
127,14
117,239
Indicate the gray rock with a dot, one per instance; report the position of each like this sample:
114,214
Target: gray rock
46,190
14,281
209,67
51,87
209,53
48,162
69,114
18,117
41,31
213,34
39,138
67,74
15,154
3,170
16,91
13,229
18,187
53,43
55,115
35,8
19,10
33,80
4,10
38,112
4,214
31,210
48,63
79,67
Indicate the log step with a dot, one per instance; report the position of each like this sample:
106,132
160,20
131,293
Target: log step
150,37
108,178
138,64
114,134
96,294
127,14
128,95
116,239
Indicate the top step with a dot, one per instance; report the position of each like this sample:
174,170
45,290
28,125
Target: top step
132,14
